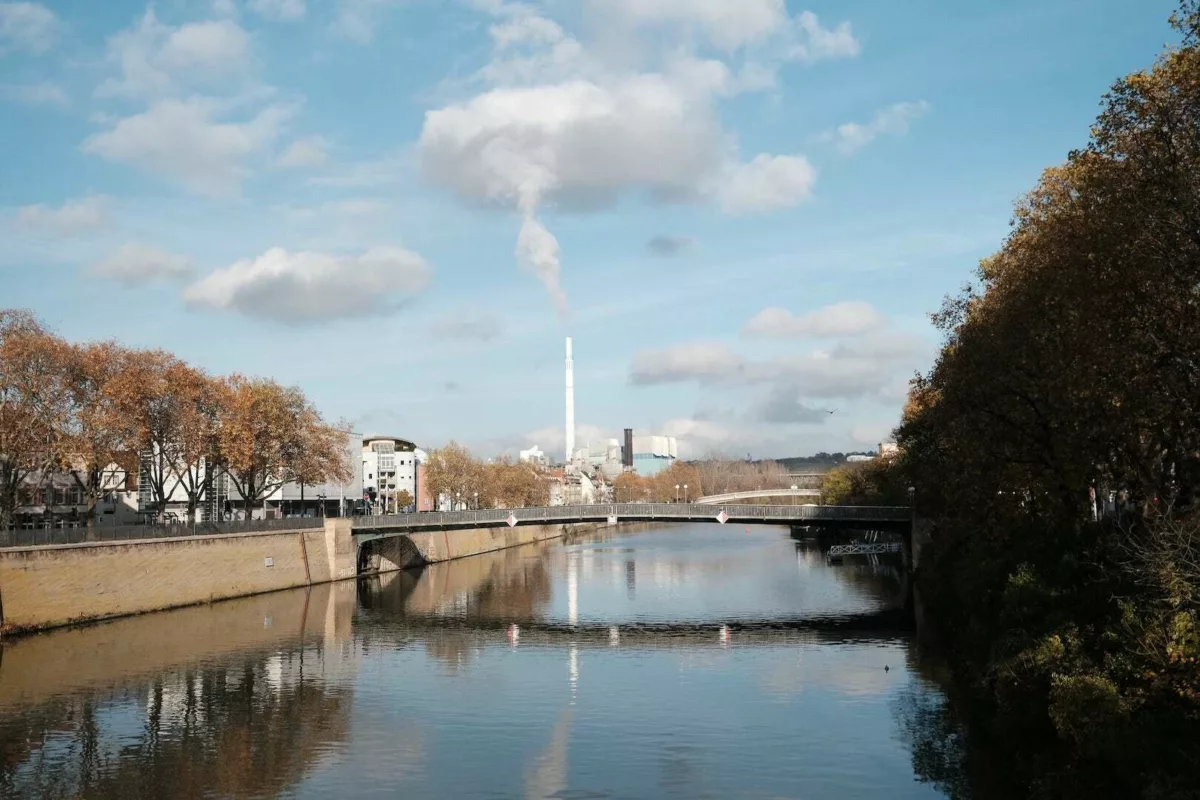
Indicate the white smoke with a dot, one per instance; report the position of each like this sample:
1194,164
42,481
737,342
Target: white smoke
538,250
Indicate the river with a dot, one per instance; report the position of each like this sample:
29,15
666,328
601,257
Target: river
683,661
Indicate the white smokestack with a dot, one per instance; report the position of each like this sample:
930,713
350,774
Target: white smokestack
570,404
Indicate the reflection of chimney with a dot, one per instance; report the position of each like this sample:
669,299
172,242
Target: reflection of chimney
570,404
627,455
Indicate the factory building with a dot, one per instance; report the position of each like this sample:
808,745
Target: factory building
653,454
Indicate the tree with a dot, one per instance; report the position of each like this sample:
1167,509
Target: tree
95,451
322,456
453,473
404,499
1072,367
261,434
168,414
34,405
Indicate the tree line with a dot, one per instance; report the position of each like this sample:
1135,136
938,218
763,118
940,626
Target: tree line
452,472
78,409
1055,444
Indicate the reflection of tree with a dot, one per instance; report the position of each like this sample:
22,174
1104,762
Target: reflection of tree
229,731
929,729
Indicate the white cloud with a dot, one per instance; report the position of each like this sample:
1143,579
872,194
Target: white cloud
839,319
813,43
311,151
707,362
181,140
866,368
157,60
728,25
356,20
767,183
136,264
564,126
72,218
307,287
892,121
784,405
28,26
45,93
279,9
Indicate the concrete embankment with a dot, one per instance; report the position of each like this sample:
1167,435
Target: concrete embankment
56,585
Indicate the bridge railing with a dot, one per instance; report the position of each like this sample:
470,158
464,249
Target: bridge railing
634,511
39,536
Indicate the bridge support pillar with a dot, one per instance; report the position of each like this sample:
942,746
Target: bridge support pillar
340,548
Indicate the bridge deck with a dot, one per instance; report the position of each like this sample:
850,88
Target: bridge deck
847,516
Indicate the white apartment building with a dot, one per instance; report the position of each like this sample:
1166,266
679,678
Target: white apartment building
389,466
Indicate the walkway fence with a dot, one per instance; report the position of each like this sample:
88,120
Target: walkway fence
636,512
35,537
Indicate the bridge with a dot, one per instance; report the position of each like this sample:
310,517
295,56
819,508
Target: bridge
863,549
732,497
873,517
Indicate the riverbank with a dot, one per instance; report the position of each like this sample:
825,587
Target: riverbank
61,585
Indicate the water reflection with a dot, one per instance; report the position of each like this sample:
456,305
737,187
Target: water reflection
679,662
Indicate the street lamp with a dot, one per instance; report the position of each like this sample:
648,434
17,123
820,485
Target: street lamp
677,493
477,501
685,493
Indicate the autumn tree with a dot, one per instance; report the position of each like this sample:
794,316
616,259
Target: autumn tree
34,405
167,412
452,472
95,448
1071,368
264,429
322,455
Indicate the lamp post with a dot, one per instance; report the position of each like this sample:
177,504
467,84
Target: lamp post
685,493
477,501
677,493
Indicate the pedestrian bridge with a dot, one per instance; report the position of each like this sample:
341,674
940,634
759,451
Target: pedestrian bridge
872,517
732,497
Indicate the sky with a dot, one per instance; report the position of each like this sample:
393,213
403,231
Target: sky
742,211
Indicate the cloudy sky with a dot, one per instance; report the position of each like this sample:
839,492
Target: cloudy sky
741,210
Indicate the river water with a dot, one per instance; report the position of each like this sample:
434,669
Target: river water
684,661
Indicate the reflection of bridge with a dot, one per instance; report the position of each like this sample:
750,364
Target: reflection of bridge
875,517
718,499
863,549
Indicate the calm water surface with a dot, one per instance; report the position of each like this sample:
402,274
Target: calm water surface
686,661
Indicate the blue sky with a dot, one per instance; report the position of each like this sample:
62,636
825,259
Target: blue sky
742,210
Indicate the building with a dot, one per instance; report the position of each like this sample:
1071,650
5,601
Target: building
653,454
326,499
389,467
888,449
534,455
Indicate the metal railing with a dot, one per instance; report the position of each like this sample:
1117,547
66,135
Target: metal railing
634,512
37,537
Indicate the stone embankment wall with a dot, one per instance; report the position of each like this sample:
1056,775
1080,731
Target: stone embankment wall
431,547
56,585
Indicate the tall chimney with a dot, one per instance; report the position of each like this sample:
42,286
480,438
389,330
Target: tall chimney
570,404
627,452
